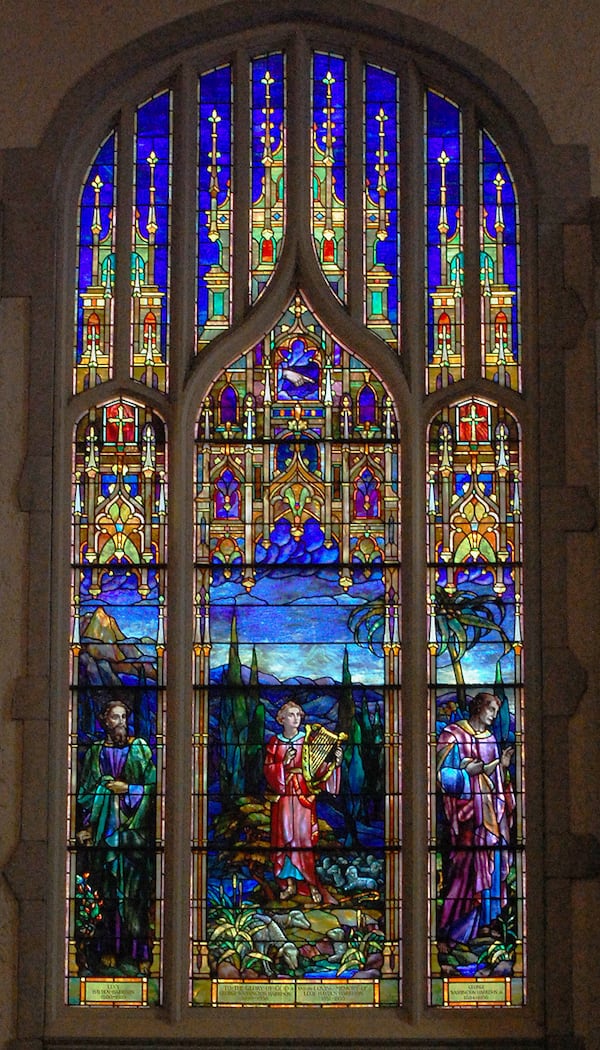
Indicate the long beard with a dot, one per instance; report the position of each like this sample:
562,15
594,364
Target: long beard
118,735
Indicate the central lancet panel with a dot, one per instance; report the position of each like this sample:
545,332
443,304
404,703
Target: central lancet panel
296,665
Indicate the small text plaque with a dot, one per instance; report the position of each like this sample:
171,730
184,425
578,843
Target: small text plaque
110,990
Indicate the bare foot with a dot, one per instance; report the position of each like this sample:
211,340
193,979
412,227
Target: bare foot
315,895
289,890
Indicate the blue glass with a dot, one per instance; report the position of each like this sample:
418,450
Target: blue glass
267,168
96,266
329,168
314,447
382,201
336,67
214,203
150,269
475,642
154,136
117,706
444,240
500,259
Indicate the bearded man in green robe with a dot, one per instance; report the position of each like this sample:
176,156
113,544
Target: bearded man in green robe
116,794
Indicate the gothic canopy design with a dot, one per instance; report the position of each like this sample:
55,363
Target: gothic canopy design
248,257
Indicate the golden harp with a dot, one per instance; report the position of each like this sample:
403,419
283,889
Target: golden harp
318,754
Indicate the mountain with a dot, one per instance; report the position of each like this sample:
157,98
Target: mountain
101,627
101,635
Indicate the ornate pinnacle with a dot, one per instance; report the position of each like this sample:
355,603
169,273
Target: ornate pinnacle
149,451
96,226
328,158
502,463
445,450
76,635
213,169
499,182
267,138
152,225
267,157
443,160
198,622
328,123
381,168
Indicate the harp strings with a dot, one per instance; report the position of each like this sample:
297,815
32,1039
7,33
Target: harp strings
321,743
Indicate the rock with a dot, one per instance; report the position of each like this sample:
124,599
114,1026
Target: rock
252,975
228,971
503,969
449,971
310,951
375,961
462,957
324,947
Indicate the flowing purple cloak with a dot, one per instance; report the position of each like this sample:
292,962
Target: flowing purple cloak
479,812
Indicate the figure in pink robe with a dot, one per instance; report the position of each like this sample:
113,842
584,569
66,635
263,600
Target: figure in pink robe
478,804
294,826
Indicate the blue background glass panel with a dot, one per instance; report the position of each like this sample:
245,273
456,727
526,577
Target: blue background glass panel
274,65
324,64
215,94
443,133
105,166
154,135
381,92
492,163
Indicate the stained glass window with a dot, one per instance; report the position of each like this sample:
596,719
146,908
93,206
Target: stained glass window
150,269
268,168
477,917
299,397
94,308
329,168
117,713
444,240
499,247
214,204
382,231
297,732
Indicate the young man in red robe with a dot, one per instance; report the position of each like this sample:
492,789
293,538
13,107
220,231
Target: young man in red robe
294,826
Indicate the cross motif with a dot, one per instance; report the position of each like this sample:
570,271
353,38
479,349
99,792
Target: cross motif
121,418
471,419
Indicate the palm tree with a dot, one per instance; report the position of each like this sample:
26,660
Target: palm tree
367,622
462,619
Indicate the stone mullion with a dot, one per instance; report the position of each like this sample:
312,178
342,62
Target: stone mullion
413,743
183,237
413,343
